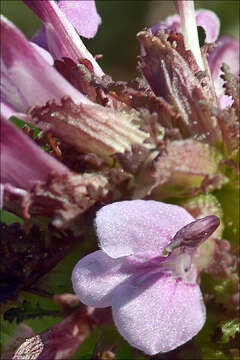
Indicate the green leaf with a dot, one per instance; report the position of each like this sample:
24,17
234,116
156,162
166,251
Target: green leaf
7,330
19,123
212,354
229,198
58,280
37,304
87,348
222,289
124,352
9,218
28,311
229,329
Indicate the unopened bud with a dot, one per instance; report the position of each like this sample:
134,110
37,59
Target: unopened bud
194,233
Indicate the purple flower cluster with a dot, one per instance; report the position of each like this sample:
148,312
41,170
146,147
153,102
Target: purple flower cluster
145,268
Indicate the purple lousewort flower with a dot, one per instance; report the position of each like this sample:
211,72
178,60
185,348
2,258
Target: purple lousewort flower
225,51
58,35
145,270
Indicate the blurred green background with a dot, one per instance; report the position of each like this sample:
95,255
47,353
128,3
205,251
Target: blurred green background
121,20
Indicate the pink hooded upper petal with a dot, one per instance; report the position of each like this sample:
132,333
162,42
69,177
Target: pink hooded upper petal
207,19
139,227
96,276
159,315
226,51
27,79
83,16
23,163
61,37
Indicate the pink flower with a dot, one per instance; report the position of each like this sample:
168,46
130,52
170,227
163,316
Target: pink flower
226,49
145,271
63,23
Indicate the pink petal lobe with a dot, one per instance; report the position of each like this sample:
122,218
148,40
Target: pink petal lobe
83,16
139,227
27,79
226,51
209,21
160,316
95,277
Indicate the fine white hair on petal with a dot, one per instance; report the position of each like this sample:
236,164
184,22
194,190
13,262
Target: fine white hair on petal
162,316
95,277
139,226
83,16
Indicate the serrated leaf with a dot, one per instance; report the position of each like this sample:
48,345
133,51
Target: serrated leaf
28,311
